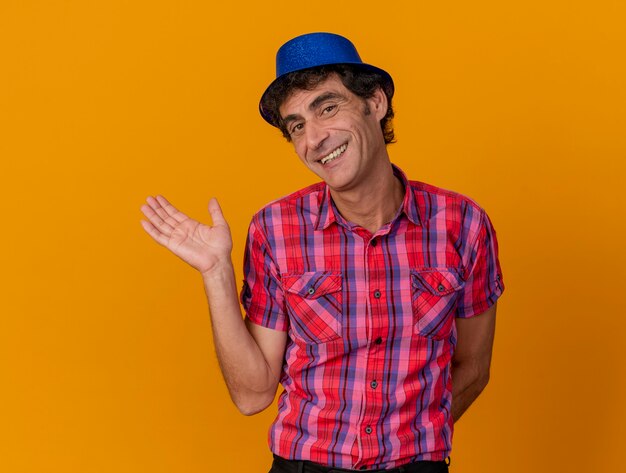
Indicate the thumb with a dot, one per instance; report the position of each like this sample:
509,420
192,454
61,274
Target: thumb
216,213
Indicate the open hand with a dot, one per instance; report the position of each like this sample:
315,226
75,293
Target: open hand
202,246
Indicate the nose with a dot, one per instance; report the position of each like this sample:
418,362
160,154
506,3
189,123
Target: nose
316,133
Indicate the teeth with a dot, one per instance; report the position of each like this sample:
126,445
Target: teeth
334,154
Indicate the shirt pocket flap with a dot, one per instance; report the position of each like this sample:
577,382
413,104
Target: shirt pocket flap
312,285
439,282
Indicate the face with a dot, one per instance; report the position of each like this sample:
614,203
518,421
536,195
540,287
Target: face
337,134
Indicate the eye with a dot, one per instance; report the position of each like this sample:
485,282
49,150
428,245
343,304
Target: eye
296,129
329,109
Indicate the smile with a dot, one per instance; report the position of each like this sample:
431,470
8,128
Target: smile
335,154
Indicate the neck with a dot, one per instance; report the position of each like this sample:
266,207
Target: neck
374,205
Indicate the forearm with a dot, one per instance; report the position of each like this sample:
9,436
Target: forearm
248,376
468,381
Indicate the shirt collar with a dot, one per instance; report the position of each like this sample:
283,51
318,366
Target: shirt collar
328,213
409,204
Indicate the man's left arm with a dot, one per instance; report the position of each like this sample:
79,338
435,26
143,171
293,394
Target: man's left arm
472,359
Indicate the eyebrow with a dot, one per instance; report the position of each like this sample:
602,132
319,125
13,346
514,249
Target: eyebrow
323,98
313,105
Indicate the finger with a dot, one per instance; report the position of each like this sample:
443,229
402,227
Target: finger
156,220
154,233
171,211
216,212
161,212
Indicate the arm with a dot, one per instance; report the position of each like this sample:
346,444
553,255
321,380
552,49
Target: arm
250,356
472,359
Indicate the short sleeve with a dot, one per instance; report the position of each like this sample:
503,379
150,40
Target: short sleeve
261,294
483,276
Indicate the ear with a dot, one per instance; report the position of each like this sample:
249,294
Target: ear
378,104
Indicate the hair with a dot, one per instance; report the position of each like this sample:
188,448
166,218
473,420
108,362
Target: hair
360,81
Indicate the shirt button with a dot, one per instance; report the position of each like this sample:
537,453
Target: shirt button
373,243
441,288
377,294
368,430
374,384
311,290
378,341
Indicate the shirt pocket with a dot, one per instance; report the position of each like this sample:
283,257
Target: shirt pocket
435,294
314,304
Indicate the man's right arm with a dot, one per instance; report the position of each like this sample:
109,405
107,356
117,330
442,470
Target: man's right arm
250,356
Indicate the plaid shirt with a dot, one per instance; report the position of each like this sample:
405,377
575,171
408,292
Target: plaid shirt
370,318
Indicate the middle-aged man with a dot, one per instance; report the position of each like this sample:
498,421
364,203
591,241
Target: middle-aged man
370,298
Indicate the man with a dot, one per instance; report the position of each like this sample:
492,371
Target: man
370,298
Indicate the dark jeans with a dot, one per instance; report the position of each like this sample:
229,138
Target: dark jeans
281,465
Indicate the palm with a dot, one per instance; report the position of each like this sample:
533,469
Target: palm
202,246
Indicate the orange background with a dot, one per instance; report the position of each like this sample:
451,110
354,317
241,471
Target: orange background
106,359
